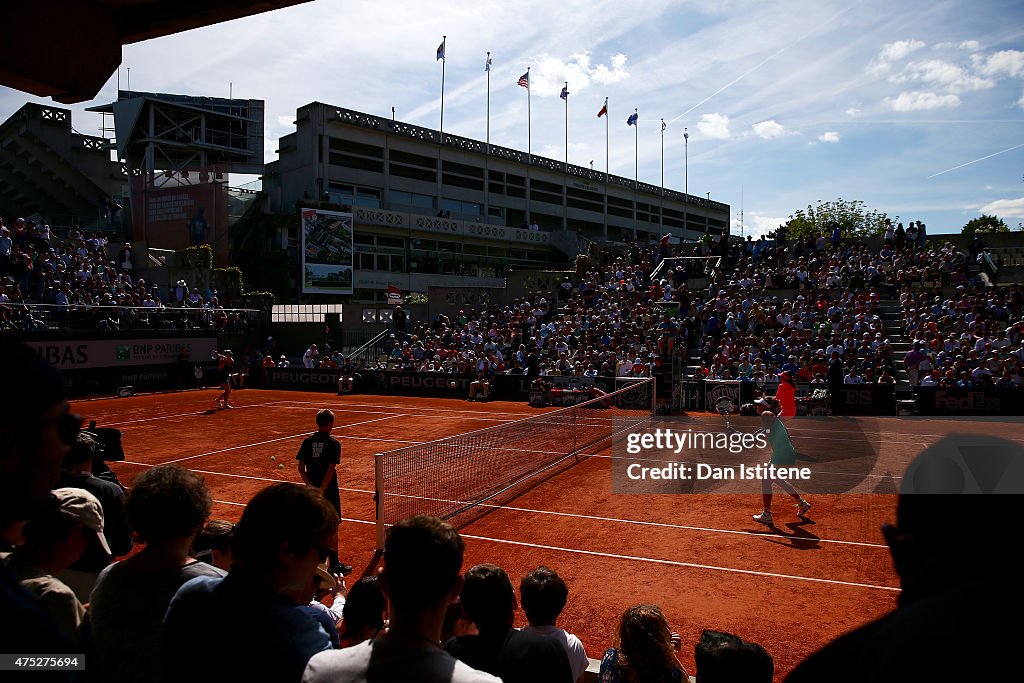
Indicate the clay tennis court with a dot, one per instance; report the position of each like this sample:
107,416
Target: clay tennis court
700,557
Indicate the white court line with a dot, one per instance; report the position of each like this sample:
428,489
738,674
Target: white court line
554,513
274,404
342,408
425,408
283,438
636,558
191,413
675,563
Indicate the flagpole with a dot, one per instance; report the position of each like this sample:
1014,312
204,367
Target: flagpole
686,178
440,141
565,176
661,209
488,67
636,163
529,145
487,155
529,124
444,40
607,116
567,127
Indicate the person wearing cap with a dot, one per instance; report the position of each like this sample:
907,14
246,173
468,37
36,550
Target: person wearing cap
78,473
283,362
55,537
321,583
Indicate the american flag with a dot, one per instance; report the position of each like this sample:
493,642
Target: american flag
524,80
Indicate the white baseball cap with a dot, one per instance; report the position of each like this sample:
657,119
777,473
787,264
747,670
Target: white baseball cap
81,506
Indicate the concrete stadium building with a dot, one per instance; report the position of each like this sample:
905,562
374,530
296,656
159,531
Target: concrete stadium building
463,212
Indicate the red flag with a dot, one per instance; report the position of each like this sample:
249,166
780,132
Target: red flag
394,295
604,109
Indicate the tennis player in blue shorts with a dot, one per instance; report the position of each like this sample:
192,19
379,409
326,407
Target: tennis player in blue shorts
783,455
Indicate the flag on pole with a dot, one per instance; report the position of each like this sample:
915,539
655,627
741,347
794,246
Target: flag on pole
565,93
604,109
663,125
631,121
440,51
524,80
487,64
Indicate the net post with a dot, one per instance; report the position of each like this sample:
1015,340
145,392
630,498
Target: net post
654,395
378,486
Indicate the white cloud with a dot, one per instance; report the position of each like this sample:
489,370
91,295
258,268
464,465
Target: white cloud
714,126
551,73
1005,208
878,68
1020,102
1003,63
937,73
892,52
853,111
831,137
769,129
916,101
970,45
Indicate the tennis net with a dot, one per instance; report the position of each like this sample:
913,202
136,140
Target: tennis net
450,477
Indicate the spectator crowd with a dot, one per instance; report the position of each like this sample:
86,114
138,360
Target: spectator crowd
83,284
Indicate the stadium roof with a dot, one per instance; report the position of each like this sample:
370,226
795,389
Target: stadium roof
67,49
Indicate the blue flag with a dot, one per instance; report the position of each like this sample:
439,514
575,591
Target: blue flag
440,51
565,93
631,121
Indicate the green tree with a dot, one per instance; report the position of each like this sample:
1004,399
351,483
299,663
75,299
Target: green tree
853,217
986,224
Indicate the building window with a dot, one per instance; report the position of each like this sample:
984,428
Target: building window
414,173
404,200
459,207
354,196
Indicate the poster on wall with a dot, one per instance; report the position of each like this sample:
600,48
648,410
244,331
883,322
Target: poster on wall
327,248
180,209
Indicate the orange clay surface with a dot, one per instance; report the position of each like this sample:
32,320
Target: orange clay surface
700,557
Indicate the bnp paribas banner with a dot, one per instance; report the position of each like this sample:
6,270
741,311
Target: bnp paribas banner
326,252
112,353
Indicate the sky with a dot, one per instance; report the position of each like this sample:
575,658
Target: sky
914,108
